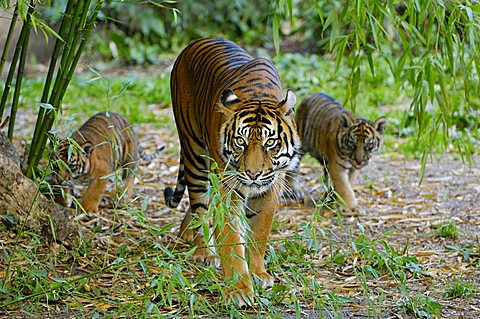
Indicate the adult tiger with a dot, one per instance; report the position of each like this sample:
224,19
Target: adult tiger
230,108
340,142
103,144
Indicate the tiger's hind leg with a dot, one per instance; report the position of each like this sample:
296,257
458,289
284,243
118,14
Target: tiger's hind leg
128,177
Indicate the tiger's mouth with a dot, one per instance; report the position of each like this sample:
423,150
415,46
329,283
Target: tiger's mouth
360,165
257,187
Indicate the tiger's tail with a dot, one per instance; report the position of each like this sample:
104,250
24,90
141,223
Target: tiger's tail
150,157
173,198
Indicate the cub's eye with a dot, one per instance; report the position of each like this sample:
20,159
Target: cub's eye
239,141
369,146
271,142
351,143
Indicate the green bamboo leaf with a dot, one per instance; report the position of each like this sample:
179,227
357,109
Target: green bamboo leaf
46,106
276,33
340,48
47,31
370,60
22,6
319,9
469,12
290,9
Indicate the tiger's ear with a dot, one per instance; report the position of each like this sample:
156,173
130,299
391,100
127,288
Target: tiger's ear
229,98
347,119
380,124
87,148
288,104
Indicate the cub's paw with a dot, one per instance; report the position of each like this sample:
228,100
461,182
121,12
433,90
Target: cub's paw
90,207
264,279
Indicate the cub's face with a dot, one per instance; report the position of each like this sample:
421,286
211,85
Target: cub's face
258,143
71,162
362,139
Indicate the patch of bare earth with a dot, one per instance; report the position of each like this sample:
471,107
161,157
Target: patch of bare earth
391,199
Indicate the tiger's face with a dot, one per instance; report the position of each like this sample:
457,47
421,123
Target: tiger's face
71,162
361,139
258,142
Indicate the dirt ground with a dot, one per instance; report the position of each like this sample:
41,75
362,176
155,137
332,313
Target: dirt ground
391,199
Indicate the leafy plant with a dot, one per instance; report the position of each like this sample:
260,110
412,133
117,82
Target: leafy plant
448,230
459,289
422,306
470,252
430,47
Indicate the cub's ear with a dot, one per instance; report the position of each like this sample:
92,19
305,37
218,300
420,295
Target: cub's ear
380,124
87,148
288,104
347,119
229,98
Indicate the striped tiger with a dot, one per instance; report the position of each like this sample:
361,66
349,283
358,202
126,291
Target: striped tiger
230,108
103,144
340,142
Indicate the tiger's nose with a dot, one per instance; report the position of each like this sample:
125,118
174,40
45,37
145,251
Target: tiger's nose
253,175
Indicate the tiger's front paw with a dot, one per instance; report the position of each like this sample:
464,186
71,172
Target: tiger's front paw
264,279
207,257
187,234
242,293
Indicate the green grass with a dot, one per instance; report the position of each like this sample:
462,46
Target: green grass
133,96
448,230
459,289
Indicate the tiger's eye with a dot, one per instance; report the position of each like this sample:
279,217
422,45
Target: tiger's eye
271,142
239,141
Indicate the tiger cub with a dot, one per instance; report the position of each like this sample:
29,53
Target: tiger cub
230,108
102,145
341,143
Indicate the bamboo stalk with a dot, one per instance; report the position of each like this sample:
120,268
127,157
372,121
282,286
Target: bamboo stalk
74,26
86,33
20,73
59,43
68,65
8,39
40,137
47,120
82,34
72,57
16,55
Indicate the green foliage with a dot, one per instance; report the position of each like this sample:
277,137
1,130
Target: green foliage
422,306
136,31
470,253
131,95
459,289
448,230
